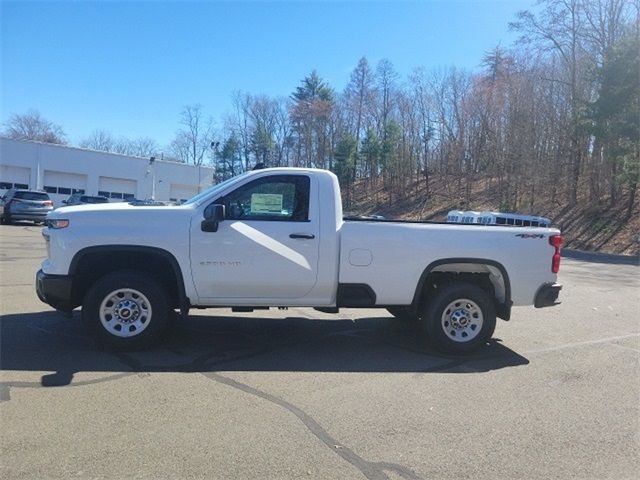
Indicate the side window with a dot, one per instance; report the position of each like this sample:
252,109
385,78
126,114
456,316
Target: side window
282,198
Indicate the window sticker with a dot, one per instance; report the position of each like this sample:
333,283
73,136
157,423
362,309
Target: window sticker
266,203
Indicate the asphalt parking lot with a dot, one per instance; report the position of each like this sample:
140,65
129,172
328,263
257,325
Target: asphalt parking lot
301,394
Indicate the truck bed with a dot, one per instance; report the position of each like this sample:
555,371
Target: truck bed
372,249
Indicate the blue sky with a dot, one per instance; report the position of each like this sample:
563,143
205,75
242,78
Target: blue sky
129,67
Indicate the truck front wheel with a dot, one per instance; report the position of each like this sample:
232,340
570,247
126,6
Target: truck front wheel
125,310
460,318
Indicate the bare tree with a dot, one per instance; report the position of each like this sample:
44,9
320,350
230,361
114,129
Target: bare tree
32,126
423,101
99,139
104,141
262,112
193,140
282,133
358,99
386,77
559,27
240,124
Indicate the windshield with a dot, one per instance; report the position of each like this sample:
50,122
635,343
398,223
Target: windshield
213,189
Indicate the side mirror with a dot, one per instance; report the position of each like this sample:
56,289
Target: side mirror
213,215
65,202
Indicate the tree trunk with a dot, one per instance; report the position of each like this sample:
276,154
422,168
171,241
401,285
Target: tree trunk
631,200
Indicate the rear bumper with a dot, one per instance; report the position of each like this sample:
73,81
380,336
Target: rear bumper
547,295
35,216
55,290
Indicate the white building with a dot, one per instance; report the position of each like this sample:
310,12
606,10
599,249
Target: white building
61,170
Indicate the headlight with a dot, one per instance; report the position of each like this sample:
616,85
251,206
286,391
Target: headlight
57,224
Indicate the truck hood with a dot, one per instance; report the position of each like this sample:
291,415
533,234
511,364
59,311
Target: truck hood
116,206
101,208
121,213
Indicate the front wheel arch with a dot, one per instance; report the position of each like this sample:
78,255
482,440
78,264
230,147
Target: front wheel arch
92,263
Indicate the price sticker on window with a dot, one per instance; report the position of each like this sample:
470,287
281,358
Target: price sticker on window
264,203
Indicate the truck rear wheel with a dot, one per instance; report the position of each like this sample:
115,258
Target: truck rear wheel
125,310
460,318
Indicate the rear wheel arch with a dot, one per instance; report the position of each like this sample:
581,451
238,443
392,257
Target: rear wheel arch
488,274
92,263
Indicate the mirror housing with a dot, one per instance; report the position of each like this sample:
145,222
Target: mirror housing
213,215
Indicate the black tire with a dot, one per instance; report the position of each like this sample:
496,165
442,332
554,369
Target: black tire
149,316
6,219
404,314
460,319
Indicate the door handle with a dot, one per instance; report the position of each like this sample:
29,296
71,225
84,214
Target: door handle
305,236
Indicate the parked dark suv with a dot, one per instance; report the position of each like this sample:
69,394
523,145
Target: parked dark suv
79,199
19,204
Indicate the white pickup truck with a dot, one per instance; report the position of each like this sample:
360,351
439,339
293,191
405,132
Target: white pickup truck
277,238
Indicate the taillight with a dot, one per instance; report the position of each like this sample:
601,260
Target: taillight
556,242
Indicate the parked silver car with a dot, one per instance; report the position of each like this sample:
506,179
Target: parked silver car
19,204
80,199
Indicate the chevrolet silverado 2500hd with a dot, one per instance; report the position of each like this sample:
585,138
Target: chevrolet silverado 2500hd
277,237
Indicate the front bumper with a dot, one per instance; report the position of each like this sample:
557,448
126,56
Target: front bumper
547,295
55,290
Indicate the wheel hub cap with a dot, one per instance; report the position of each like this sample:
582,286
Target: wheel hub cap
462,320
125,312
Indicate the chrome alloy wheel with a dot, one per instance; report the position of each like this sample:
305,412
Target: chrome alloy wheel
125,312
462,320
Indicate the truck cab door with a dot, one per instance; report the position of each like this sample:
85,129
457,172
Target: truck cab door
267,246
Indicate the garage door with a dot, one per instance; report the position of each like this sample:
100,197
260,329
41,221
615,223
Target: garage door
14,177
117,188
180,192
60,185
